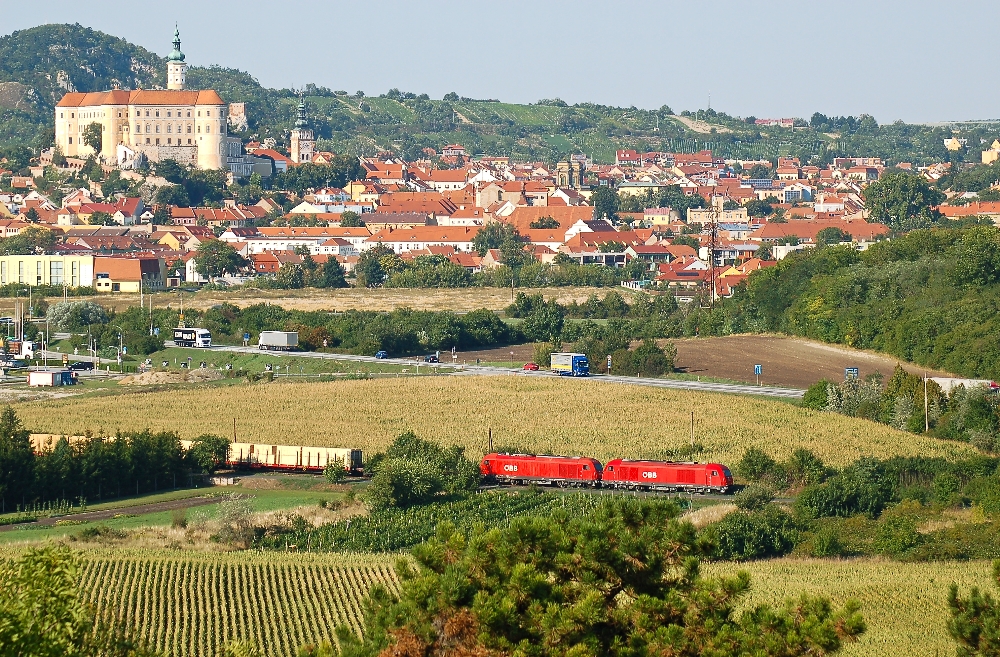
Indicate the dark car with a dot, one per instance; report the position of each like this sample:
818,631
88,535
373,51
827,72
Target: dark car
81,366
431,358
381,354
531,367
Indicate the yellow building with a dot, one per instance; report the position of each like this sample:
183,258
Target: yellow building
186,126
71,270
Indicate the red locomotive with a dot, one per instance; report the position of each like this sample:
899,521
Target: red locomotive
666,476
546,470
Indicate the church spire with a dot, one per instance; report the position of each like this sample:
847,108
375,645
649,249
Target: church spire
301,121
176,55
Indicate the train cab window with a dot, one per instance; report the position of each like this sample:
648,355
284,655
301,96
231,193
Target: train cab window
715,473
611,468
487,462
586,467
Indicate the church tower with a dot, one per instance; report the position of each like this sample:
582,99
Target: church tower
303,142
176,68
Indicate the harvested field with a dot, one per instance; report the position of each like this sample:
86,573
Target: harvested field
792,362
183,376
458,299
540,414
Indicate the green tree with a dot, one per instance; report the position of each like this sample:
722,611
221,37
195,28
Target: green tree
975,620
977,258
545,323
173,195
33,239
687,240
172,171
290,276
816,396
759,208
832,235
161,216
332,274
31,215
763,252
351,219
216,258
605,201
17,458
760,172
208,452
93,136
903,201
43,615
495,236
101,219
621,581
369,271
544,223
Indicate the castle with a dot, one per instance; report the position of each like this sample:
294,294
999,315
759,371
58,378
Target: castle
186,126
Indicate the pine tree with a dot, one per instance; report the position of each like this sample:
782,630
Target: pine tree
975,621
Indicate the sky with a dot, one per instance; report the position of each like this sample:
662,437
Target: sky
915,60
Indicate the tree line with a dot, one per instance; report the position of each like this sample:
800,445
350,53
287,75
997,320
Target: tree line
97,467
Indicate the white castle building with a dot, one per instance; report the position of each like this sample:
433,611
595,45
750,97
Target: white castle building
186,126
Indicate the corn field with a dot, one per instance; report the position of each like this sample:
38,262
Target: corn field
542,415
194,604
904,604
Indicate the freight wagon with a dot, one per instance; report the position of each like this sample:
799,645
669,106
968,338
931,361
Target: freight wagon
292,457
546,470
667,476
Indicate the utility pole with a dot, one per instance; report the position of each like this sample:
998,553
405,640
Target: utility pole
927,424
692,430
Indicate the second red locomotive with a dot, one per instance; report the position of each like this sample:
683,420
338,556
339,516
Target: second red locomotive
667,476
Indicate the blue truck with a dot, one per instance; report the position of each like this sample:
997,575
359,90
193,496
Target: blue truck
567,364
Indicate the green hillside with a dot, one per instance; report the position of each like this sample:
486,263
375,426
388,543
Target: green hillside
38,65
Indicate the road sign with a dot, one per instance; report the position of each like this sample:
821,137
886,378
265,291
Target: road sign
65,359
850,372
609,363
758,370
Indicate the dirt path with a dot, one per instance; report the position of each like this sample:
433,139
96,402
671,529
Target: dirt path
701,126
138,510
792,362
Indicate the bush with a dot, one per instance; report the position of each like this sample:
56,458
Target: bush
757,466
76,315
754,498
862,488
897,533
236,516
826,543
334,472
744,535
816,396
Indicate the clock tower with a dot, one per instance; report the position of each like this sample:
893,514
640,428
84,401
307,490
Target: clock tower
176,68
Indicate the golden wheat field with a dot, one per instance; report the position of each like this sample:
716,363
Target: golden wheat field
904,604
184,604
541,415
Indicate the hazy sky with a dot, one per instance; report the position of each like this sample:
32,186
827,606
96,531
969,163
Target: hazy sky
915,60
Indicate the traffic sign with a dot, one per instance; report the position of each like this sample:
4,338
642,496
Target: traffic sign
609,363
758,370
850,372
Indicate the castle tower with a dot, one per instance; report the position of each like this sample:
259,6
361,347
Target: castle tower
176,68
303,143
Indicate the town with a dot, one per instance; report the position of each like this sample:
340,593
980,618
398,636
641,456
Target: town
307,372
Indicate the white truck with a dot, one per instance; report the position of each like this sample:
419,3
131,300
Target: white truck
278,340
192,337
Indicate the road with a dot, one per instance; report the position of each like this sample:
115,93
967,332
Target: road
138,510
482,370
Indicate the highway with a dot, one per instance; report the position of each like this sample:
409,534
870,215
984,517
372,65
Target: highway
482,370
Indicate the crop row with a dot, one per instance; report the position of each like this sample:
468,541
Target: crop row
194,607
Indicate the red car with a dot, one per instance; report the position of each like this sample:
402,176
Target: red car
531,367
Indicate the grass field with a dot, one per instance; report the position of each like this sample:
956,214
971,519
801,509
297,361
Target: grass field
538,414
184,604
904,604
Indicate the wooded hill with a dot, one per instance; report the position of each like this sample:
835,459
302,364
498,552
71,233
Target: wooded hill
38,65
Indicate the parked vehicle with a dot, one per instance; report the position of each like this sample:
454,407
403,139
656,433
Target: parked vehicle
381,354
431,358
531,367
82,366
278,340
569,364
546,470
667,476
192,337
